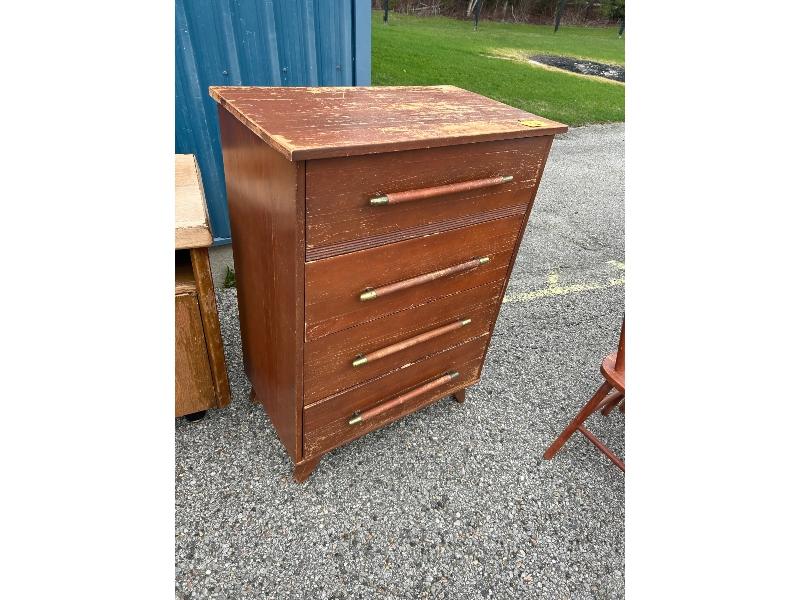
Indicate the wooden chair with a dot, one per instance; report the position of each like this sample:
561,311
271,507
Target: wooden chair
608,395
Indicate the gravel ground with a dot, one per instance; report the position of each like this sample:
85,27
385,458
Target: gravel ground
454,501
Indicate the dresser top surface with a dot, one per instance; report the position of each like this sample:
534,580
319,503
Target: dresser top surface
324,122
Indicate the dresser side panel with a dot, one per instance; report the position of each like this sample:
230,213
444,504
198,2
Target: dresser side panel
266,195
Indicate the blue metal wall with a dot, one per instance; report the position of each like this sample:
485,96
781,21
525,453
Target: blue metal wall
257,42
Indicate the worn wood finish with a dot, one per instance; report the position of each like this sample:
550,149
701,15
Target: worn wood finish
314,254
340,190
191,215
194,390
265,198
329,360
359,219
193,276
208,311
305,123
304,468
326,423
334,285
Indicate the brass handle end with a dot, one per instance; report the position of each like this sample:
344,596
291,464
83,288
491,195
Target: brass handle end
466,322
368,295
454,374
354,420
483,260
379,200
361,360
507,178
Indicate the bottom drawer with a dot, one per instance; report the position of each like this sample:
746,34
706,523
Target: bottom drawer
331,422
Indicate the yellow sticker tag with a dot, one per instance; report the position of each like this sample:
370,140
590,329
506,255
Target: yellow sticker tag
533,123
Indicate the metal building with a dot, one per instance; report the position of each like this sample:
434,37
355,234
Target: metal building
257,42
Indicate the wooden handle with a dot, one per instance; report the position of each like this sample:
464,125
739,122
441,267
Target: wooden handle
363,359
390,404
439,190
371,294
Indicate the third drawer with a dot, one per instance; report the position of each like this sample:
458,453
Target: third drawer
344,359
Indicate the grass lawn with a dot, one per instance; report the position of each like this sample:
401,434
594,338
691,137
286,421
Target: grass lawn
492,61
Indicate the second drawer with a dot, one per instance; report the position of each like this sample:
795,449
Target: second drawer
405,274
344,359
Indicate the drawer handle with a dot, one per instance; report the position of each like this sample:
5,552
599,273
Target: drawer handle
371,294
439,190
363,359
389,404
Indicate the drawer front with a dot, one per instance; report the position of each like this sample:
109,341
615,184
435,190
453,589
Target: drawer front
327,424
347,358
436,266
194,390
340,217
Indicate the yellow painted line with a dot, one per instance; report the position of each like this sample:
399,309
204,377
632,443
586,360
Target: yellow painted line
555,289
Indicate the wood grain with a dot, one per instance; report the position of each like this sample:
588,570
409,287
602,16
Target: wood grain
326,422
191,216
265,197
333,285
339,190
201,268
194,390
370,241
184,276
305,123
301,165
328,361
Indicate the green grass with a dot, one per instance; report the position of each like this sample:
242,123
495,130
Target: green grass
230,278
438,50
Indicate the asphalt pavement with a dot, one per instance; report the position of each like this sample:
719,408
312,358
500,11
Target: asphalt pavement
454,501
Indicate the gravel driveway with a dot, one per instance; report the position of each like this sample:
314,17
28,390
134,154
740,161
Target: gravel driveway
454,501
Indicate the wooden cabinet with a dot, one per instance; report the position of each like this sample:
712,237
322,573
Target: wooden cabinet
201,381
374,231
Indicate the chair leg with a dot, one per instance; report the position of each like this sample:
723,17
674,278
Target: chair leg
622,406
602,447
584,413
609,403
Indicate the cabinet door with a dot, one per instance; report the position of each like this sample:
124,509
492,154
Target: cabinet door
193,388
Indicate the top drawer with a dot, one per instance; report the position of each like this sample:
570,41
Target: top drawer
340,218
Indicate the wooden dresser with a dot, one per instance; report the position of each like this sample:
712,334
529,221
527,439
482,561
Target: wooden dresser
374,232
201,381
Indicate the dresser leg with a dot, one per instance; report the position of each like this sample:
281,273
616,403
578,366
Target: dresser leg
460,395
253,398
303,469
